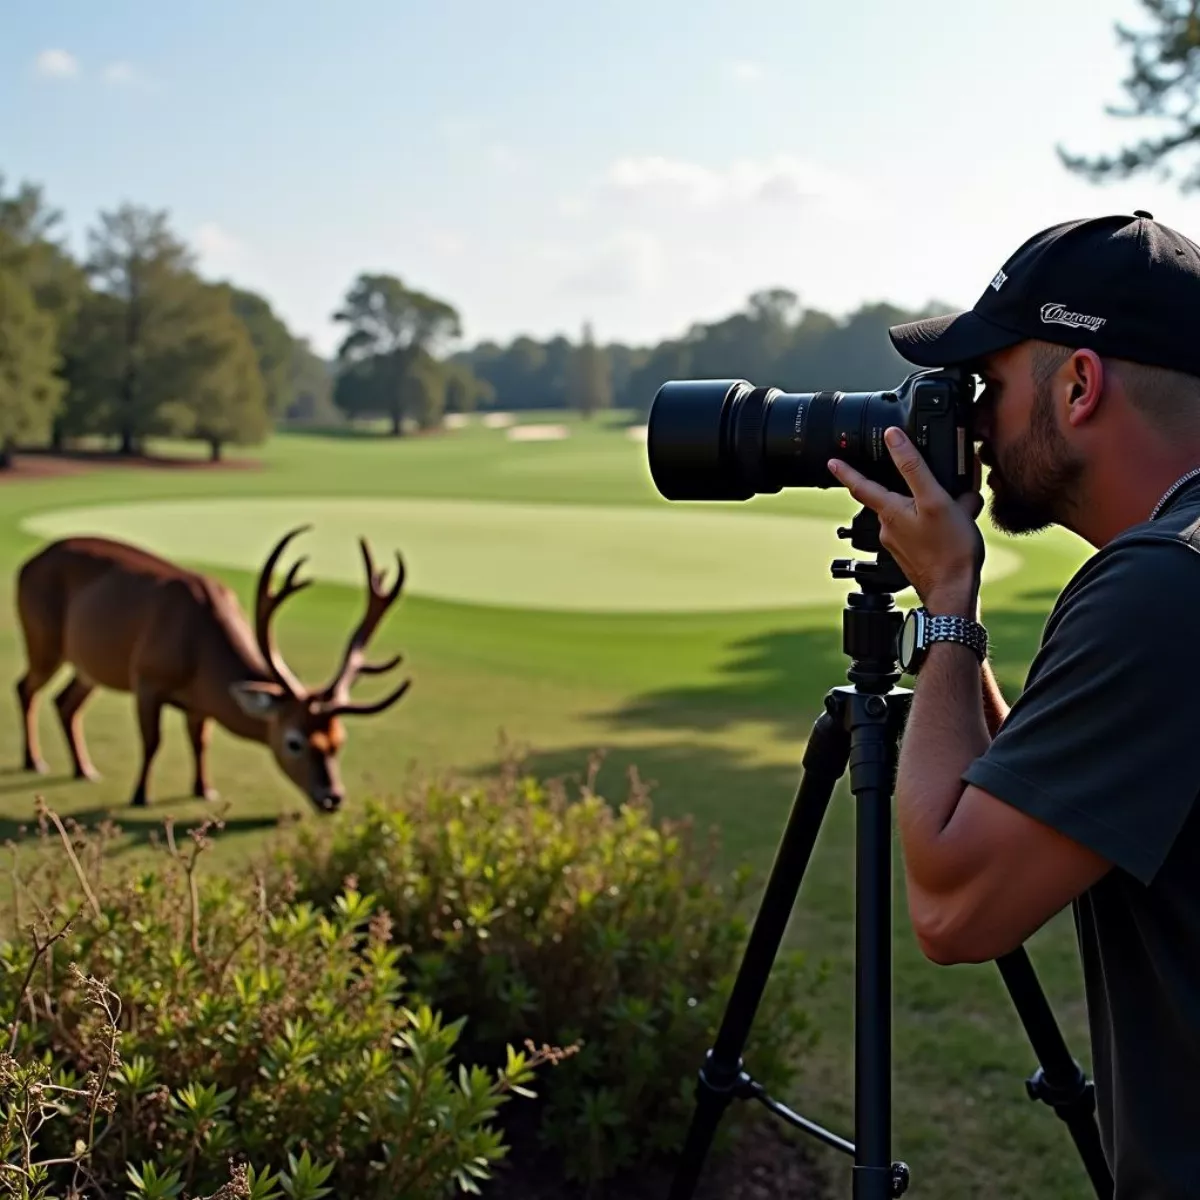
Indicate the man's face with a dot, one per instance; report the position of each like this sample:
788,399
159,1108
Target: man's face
1033,472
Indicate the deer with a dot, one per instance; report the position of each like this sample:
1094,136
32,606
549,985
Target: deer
130,621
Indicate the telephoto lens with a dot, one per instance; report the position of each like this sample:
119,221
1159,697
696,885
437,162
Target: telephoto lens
725,439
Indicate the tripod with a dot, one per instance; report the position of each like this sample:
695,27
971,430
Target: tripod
860,727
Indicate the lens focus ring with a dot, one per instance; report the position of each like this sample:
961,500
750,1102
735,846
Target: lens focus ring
748,446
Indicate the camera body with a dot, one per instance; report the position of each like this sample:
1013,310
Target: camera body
725,439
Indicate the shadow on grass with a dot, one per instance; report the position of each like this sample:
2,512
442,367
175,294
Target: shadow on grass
140,826
349,433
19,780
781,677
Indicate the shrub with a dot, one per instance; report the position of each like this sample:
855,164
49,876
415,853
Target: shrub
178,1020
580,923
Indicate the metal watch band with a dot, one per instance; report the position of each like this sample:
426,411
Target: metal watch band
957,629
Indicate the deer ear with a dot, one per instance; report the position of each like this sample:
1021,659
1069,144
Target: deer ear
257,699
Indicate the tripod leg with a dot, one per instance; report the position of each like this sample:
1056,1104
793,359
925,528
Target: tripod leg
824,762
874,724
1060,1080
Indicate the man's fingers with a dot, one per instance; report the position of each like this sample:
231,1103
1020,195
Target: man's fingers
911,465
875,496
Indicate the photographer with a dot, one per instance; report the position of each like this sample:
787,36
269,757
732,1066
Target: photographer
1088,345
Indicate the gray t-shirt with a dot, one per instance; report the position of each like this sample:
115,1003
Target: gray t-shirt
1104,745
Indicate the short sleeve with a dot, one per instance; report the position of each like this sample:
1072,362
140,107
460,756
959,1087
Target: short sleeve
1104,742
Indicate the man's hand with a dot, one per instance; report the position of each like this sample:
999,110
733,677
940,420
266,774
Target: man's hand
932,537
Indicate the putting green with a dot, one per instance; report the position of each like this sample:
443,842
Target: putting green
532,556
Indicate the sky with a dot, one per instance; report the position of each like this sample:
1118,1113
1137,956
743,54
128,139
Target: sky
638,164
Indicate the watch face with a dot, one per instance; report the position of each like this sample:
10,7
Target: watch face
908,638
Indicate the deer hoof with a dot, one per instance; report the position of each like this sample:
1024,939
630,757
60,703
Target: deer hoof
138,801
37,765
89,773
202,793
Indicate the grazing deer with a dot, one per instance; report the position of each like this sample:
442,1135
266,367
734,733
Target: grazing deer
128,620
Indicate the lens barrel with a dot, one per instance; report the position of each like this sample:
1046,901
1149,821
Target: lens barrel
725,439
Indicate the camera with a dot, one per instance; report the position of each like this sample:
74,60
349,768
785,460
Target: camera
725,439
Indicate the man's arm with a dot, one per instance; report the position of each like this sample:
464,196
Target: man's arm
1085,781
994,708
981,875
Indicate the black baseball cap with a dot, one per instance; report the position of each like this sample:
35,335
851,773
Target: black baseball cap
1125,286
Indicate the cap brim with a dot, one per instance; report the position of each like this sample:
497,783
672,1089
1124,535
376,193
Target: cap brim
950,340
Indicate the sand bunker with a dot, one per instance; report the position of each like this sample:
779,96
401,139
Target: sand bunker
637,432
498,420
537,433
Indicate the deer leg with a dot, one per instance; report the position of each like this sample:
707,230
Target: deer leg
198,730
149,711
68,702
28,687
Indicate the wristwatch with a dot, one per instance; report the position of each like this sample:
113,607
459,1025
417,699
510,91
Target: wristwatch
920,630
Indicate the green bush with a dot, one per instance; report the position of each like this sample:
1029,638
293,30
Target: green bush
176,1021
578,923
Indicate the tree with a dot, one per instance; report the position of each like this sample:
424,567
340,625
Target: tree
310,387
29,386
30,248
592,383
465,391
423,391
30,245
1164,84
92,368
392,328
273,346
134,258
215,372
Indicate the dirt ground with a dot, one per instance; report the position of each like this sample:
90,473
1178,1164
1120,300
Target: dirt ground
29,466
769,1163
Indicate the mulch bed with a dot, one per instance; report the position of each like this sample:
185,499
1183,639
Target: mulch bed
37,464
768,1163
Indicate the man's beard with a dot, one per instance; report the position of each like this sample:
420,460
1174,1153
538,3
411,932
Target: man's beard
1033,486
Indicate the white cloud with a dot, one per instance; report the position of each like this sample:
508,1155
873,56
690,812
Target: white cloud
219,249
783,179
745,71
56,64
627,262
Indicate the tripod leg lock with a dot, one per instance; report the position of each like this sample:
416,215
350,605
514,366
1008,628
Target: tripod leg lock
720,1082
1067,1099
869,1179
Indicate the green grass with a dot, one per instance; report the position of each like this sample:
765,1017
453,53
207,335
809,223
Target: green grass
714,706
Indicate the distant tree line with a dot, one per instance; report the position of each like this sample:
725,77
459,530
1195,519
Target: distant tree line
772,340
128,343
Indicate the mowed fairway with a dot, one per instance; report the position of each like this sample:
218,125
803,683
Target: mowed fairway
554,598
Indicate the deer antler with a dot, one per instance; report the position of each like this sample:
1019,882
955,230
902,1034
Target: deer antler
335,696
264,609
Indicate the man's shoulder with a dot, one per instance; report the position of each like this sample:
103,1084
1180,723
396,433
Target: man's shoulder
1150,549
1145,565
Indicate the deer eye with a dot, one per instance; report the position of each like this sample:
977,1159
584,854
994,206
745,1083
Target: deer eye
294,742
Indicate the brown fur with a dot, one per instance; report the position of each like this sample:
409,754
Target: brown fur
130,621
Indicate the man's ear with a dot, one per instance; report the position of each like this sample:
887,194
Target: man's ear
1087,386
256,698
